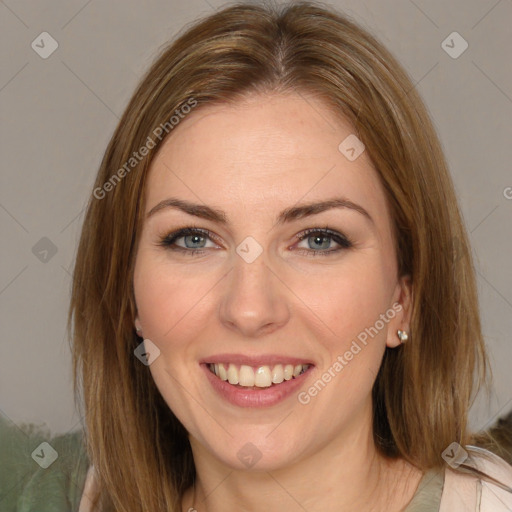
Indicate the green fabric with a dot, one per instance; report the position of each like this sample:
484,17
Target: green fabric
428,495
25,486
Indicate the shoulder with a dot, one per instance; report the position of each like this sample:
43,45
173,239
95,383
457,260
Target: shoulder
38,470
90,492
482,482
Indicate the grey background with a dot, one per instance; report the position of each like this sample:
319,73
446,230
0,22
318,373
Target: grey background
59,113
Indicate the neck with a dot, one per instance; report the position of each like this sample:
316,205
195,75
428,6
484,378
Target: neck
344,475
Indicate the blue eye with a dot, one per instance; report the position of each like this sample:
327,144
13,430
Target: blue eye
319,241
193,241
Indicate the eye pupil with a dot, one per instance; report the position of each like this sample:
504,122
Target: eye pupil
323,241
195,239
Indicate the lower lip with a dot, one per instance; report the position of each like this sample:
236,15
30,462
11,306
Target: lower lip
247,397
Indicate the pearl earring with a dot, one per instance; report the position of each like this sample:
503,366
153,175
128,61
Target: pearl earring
403,336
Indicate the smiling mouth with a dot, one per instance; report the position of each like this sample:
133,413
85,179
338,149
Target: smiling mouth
249,377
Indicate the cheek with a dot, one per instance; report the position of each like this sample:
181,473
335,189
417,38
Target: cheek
170,310
349,305
349,299
166,299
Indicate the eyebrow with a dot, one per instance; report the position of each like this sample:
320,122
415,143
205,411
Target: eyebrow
287,215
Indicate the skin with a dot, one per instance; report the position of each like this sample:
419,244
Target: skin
252,160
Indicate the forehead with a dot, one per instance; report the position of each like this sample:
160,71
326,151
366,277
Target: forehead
261,152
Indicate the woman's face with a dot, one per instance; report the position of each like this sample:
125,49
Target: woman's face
245,293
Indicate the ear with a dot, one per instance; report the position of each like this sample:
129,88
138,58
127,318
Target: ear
138,327
402,305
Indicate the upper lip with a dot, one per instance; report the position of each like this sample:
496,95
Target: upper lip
255,360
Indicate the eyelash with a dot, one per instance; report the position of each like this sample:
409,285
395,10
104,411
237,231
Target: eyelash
343,241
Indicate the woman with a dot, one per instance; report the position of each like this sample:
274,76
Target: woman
267,312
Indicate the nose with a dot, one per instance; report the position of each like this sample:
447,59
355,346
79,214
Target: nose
254,299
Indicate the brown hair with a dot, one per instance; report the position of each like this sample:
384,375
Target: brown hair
424,388
497,438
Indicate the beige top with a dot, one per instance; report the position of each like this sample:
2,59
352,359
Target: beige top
426,499
441,490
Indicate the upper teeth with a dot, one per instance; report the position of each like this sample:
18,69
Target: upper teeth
262,376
